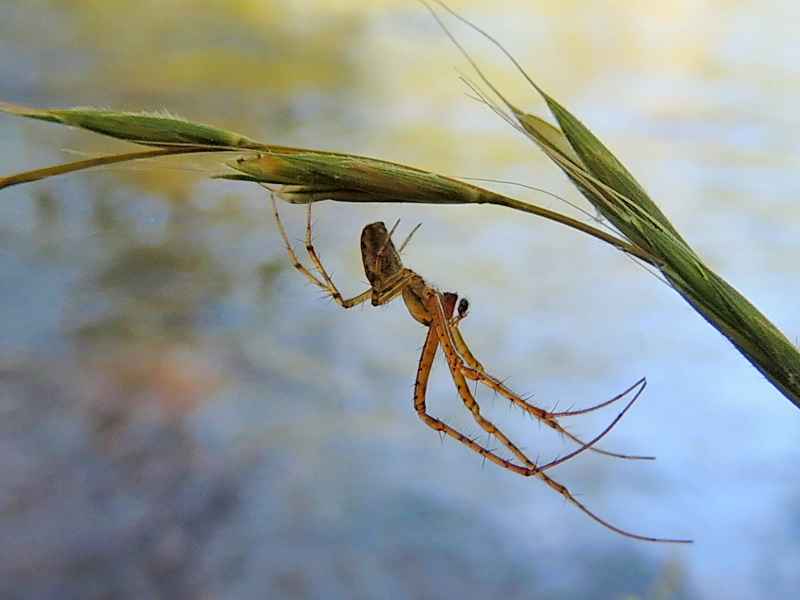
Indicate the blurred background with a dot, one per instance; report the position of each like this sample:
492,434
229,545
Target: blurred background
183,416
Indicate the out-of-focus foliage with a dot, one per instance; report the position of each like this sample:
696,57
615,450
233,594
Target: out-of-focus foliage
243,62
181,47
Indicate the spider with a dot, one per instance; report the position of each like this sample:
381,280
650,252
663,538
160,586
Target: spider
441,313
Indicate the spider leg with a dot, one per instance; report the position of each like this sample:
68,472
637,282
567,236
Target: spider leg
438,334
567,496
458,340
462,359
408,238
392,287
325,283
641,384
485,424
491,428
439,318
531,469
476,372
420,389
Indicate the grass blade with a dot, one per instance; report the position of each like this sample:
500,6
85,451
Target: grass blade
616,194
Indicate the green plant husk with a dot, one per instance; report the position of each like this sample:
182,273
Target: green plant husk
306,175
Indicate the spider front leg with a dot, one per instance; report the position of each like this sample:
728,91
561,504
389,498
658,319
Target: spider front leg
325,283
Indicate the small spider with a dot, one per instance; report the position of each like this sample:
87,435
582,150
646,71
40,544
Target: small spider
441,313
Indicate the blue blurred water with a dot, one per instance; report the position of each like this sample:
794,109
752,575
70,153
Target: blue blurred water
183,415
